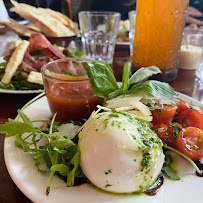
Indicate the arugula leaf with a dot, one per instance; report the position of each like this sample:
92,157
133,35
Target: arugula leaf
25,119
7,86
12,128
75,161
154,88
61,168
59,154
101,77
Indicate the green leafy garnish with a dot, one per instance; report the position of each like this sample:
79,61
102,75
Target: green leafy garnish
18,82
167,169
143,74
3,64
154,88
101,78
104,84
184,156
59,153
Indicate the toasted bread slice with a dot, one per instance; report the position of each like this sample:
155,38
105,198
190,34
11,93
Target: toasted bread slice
17,28
40,18
15,61
64,19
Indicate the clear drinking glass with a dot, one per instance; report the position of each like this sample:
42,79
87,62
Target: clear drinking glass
68,90
131,16
99,32
191,51
158,33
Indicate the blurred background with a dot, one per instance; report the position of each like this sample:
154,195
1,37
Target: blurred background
72,7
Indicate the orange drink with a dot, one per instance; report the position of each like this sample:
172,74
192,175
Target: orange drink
158,33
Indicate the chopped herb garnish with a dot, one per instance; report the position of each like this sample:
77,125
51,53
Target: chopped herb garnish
107,172
107,184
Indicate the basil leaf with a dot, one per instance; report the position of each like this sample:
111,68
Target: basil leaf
143,74
154,88
101,78
125,79
116,93
170,172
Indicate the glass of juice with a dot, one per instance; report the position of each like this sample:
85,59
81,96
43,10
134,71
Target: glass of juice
158,32
68,90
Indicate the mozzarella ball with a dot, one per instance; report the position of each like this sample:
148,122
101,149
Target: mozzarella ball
120,153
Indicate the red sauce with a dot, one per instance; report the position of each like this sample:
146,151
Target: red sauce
74,100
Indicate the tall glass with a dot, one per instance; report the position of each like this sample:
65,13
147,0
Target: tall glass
99,31
158,33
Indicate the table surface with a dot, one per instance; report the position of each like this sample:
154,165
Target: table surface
9,103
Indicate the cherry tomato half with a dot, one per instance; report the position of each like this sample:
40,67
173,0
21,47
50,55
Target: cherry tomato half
160,130
190,142
191,118
168,133
163,113
184,105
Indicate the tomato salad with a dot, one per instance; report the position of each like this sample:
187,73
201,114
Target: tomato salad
180,125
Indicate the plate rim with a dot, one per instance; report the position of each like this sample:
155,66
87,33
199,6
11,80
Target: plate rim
6,91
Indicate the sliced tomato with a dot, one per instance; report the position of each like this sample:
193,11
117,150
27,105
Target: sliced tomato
168,133
171,134
160,130
191,118
184,105
190,142
163,113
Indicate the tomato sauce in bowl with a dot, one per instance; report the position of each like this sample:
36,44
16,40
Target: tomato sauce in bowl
72,101
69,95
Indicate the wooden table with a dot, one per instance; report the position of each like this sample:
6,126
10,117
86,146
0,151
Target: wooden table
9,103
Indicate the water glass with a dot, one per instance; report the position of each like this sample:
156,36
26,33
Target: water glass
99,31
131,16
199,72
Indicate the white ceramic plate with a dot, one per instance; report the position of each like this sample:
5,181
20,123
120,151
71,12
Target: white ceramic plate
33,184
21,91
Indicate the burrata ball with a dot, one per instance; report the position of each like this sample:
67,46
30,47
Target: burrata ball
120,153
